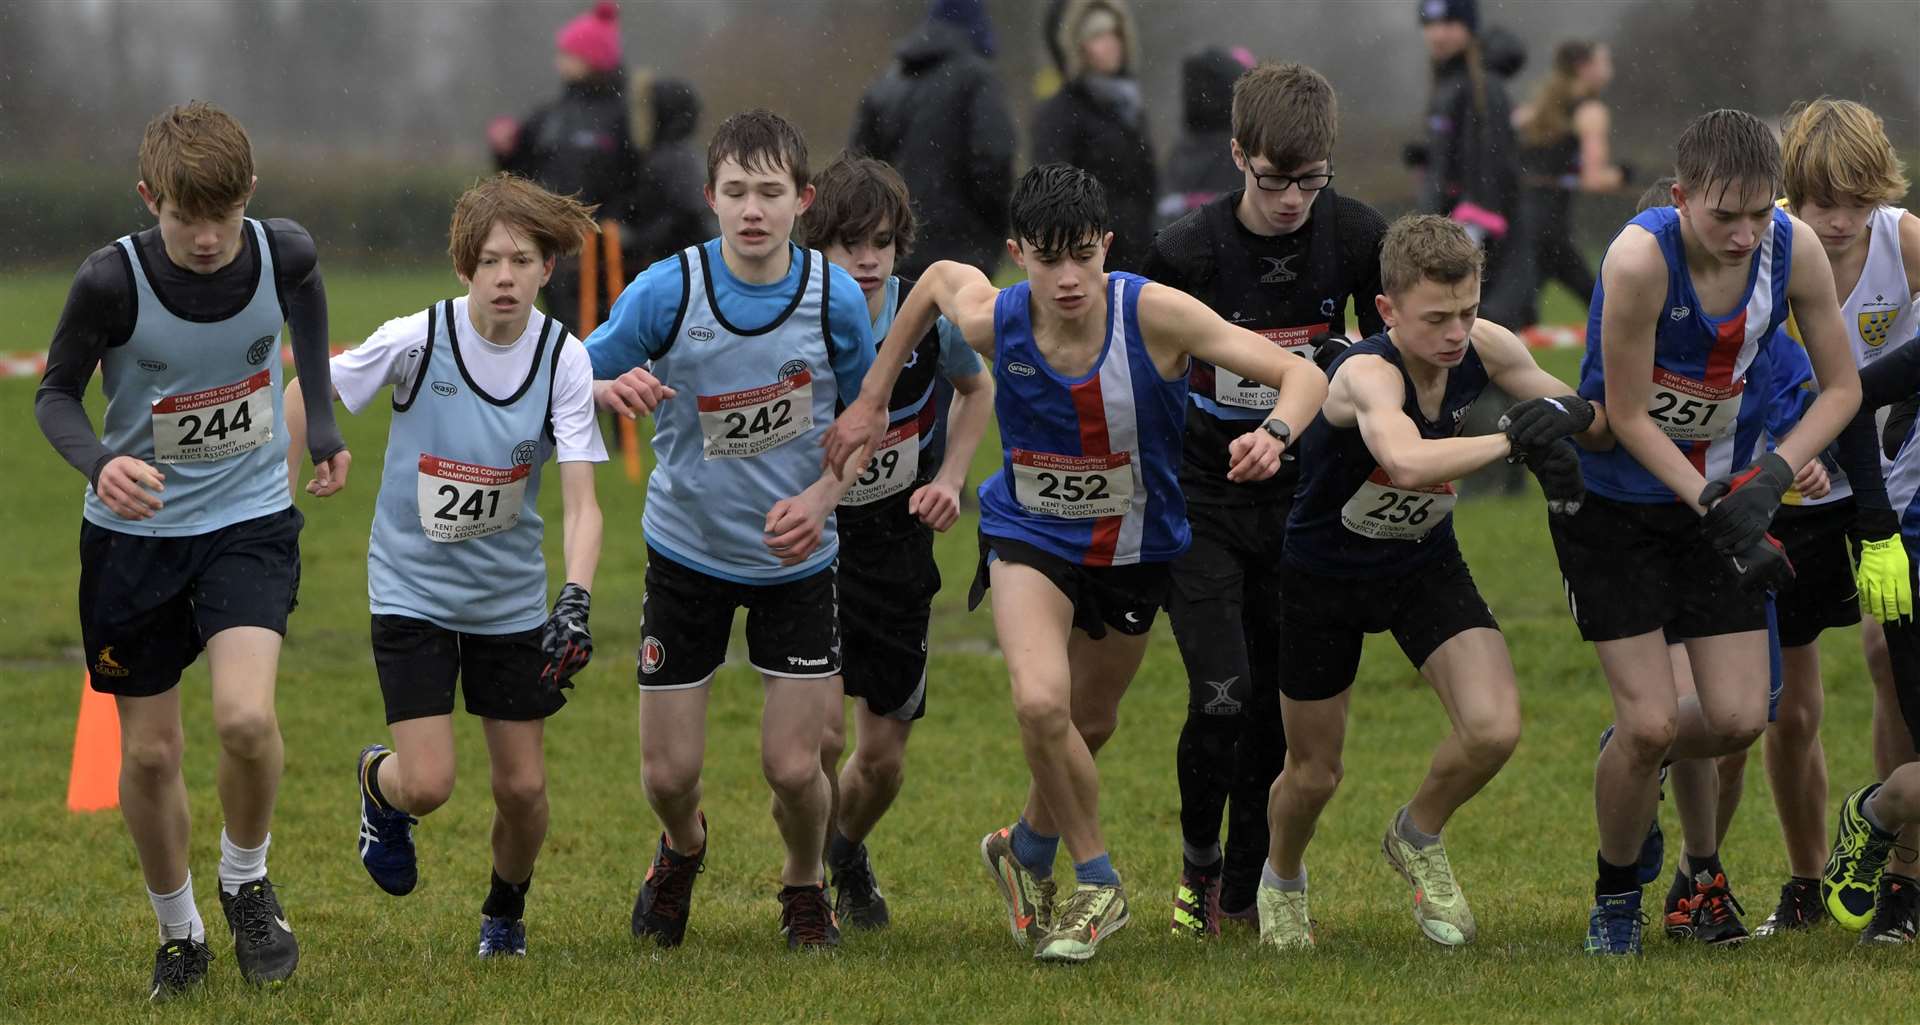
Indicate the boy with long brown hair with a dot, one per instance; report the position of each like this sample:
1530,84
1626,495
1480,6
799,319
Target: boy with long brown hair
485,389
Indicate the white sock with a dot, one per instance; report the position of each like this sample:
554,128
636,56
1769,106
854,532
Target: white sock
1273,880
179,917
240,864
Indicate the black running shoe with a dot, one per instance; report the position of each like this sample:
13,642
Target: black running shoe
856,897
263,944
660,911
1714,913
1676,912
807,919
178,966
1895,911
1800,909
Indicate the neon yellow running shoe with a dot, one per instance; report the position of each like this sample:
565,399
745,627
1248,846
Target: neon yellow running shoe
1439,908
1093,913
1029,899
1859,855
1284,922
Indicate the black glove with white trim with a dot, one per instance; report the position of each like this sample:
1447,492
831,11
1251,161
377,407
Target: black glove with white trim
565,640
1537,422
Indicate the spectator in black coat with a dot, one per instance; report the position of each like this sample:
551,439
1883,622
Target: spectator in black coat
579,144
940,117
1201,166
1097,121
1473,173
669,211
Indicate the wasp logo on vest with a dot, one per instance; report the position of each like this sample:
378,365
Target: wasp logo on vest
444,389
700,334
152,366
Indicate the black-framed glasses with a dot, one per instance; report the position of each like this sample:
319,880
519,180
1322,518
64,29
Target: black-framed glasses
1307,182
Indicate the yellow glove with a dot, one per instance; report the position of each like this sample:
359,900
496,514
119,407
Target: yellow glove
1886,588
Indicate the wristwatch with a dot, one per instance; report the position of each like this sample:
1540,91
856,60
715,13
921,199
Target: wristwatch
1279,430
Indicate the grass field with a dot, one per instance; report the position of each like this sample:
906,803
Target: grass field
76,935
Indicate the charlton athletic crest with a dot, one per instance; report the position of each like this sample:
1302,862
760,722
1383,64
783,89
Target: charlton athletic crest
653,655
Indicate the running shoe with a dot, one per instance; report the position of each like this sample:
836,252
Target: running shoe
1091,914
1284,921
1895,910
386,834
1613,926
1799,909
1712,913
1196,902
666,895
1439,908
857,899
1859,855
502,937
263,943
1029,899
807,919
178,966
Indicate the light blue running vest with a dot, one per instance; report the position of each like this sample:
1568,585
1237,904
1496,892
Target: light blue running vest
201,401
456,529
744,430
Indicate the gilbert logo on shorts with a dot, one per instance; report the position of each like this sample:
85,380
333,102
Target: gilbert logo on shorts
105,664
653,655
257,352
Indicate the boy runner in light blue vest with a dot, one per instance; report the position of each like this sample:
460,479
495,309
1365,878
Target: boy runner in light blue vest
753,346
190,538
485,389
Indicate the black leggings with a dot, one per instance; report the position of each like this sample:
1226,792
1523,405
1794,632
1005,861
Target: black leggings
1539,250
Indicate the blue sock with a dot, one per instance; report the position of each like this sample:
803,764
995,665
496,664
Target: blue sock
1033,851
1097,870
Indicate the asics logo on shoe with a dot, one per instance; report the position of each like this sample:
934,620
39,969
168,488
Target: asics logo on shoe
282,923
1133,619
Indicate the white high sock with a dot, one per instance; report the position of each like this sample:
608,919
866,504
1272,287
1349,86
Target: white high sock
179,916
239,864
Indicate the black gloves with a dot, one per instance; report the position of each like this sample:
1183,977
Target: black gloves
565,640
1327,347
1740,509
1762,565
1557,466
1537,422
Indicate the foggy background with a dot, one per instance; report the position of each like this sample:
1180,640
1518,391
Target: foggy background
368,117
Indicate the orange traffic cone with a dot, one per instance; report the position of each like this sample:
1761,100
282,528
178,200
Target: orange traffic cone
94,784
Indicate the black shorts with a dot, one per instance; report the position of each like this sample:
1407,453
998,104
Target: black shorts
1635,567
1224,604
1823,593
1125,598
418,662
793,627
148,604
887,583
1324,621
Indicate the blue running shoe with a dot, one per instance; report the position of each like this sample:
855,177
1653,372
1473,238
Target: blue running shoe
502,937
1613,927
1653,850
386,835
